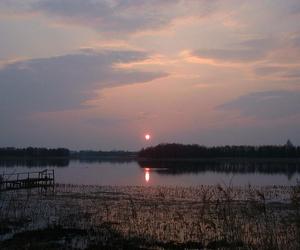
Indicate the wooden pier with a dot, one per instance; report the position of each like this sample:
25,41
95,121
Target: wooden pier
42,179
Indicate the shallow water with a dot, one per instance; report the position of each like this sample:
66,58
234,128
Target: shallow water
171,174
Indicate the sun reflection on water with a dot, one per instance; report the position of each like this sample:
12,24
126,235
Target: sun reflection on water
147,174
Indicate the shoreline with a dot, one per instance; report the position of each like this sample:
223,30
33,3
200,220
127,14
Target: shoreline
133,158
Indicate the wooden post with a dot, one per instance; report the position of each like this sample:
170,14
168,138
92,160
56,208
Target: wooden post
43,179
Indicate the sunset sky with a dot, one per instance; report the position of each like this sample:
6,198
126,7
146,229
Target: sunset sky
101,74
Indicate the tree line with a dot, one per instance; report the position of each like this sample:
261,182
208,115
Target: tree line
103,154
32,152
174,150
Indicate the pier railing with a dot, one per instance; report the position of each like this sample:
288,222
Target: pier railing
42,179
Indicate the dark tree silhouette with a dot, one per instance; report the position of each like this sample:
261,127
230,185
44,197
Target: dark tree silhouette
31,152
195,151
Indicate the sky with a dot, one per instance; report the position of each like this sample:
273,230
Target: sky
100,74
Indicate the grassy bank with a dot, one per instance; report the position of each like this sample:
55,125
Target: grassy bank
93,217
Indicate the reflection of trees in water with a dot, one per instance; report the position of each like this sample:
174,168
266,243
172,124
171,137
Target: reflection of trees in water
173,167
104,159
35,163
59,162
224,166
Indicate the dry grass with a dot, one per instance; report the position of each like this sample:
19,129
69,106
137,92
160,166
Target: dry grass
214,217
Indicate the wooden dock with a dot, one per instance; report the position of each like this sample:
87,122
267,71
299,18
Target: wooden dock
42,179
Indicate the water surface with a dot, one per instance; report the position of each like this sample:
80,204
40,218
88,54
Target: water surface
172,173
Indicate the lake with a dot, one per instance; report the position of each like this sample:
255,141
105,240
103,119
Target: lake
171,173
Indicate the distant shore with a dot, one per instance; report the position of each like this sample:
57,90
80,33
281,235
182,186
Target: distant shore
165,151
234,159
136,158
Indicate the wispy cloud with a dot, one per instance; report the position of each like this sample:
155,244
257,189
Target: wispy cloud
65,82
266,105
114,16
246,51
279,72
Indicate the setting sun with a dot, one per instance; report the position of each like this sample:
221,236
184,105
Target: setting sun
150,124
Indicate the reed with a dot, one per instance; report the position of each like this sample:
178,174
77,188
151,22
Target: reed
213,217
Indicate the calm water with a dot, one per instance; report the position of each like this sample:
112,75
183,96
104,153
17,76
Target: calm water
171,173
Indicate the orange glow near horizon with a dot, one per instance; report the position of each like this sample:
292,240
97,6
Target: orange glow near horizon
147,137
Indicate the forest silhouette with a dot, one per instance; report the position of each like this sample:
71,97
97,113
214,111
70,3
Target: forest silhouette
180,151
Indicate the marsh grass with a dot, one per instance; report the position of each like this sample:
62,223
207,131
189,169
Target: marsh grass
93,217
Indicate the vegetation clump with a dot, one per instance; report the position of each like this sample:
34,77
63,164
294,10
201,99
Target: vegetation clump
112,217
30,152
175,151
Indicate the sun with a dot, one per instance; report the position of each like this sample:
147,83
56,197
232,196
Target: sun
147,137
